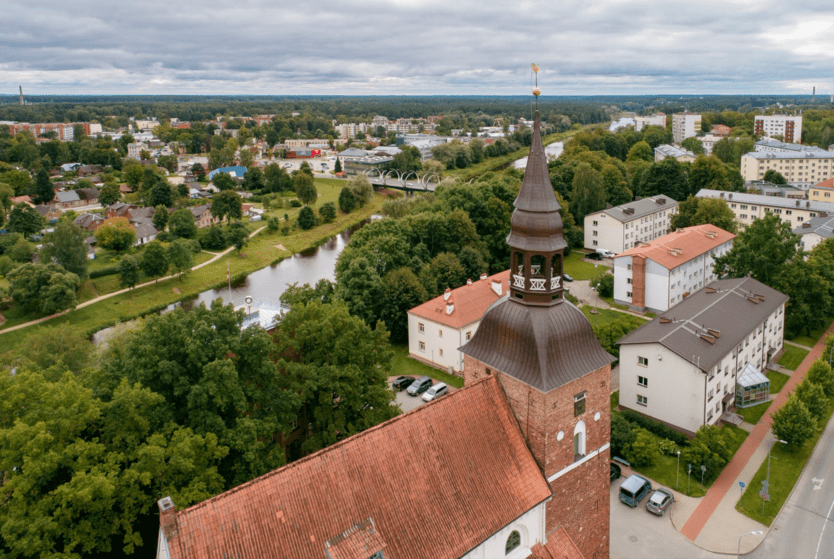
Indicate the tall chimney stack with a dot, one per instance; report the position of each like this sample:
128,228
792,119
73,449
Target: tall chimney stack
21,95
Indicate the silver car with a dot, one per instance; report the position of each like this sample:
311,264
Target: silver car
435,391
660,500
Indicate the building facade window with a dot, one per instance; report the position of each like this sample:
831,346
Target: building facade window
513,541
441,353
642,400
579,441
440,333
642,381
422,346
469,335
579,404
421,327
644,361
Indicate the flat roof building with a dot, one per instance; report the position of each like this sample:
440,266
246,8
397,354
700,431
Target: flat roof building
795,166
619,228
749,207
786,126
663,151
685,125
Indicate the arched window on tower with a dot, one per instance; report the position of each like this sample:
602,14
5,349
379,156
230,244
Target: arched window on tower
513,541
556,265
537,265
518,263
579,441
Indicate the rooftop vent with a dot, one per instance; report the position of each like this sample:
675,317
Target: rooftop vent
823,214
753,300
447,294
713,332
660,201
685,294
759,297
806,225
710,290
708,338
730,195
468,281
664,320
483,276
628,211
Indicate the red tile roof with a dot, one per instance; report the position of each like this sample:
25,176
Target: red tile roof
470,302
692,242
828,183
457,469
559,546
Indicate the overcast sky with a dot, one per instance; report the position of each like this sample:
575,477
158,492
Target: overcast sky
409,47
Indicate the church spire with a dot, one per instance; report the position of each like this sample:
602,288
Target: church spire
535,239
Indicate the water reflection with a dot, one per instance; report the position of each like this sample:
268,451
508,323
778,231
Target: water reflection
551,151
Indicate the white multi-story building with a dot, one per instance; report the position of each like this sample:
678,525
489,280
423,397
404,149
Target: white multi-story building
797,167
437,328
685,125
749,207
683,368
708,142
786,126
775,146
813,232
658,119
134,150
622,227
661,273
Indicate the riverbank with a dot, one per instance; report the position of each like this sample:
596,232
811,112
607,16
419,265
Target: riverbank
262,251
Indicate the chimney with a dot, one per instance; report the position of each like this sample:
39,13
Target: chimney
468,281
450,307
496,286
167,517
21,95
483,276
447,294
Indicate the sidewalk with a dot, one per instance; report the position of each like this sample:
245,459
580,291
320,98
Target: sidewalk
715,524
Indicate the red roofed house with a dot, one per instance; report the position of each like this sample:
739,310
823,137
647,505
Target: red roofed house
661,273
514,465
437,328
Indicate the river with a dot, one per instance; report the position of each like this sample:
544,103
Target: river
551,151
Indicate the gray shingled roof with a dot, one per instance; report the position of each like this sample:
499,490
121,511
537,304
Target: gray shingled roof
723,306
822,226
67,196
761,200
641,208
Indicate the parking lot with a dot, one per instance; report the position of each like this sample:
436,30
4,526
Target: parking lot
407,402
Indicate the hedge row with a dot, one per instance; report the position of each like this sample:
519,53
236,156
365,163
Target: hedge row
106,271
655,427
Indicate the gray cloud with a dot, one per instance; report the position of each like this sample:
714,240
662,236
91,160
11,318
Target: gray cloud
415,47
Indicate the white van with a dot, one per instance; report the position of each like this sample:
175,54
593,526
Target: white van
605,253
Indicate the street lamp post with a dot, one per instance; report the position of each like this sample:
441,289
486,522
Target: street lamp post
678,472
767,480
753,533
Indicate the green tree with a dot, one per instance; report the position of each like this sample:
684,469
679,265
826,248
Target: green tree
128,271
237,235
154,260
401,292
132,174
115,233
181,224
180,256
775,177
25,220
306,218
43,288
622,434
821,373
694,145
67,248
295,295
328,212
109,194
763,249
337,168
808,283
667,177
277,179
360,288
304,188
347,201
160,217
224,181
60,346
44,190
444,271
361,188
709,448
587,192
643,449
161,195
253,179
227,205
698,211
709,172
640,151
198,171
604,285
273,224
793,422
21,251
813,396
214,239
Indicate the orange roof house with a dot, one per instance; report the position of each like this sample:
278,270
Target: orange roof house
659,274
438,327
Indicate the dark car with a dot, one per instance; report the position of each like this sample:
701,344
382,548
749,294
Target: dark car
402,382
419,386
593,256
633,489
616,471
660,500
566,277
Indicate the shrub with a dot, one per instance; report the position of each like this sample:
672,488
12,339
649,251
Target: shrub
214,239
273,224
195,246
295,203
667,447
285,230
643,450
6,265
604,285
655,427
306,218
622,434
571,298
328,212
107,271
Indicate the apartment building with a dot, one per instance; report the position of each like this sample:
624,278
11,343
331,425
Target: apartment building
749,207
692,363
622,227
786,126
661,273
685,125
657,119
796,166
813,232
775,146
822,191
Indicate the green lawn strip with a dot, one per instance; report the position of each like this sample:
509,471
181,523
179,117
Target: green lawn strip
664,472
753,414
792,357
786,466
610,301
402,364
810,340
777,381
615,400
607,315
259,253
579,269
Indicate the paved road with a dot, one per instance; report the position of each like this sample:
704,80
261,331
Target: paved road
805,528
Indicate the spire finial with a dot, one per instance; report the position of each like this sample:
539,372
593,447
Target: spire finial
536,90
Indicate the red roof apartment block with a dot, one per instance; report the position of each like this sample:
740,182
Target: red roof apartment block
674,249
435,482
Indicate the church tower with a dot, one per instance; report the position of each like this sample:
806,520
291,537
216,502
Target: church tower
554,372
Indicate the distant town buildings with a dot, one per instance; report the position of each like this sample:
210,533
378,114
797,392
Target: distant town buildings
661,152
749,207
810,166
685,125
641,122
817,229
789,128
64,131
775,146
622,227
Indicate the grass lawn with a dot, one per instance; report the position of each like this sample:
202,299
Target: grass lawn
610,301
615,400
792,357
260,252
777,381
785,468
664,472
813,338
753,414
607,315
579,269
402,364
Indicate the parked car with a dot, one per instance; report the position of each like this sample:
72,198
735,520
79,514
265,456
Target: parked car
633,489
616,471
605,253
593,256
419,386
435,392
660,500
566,277
402,382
